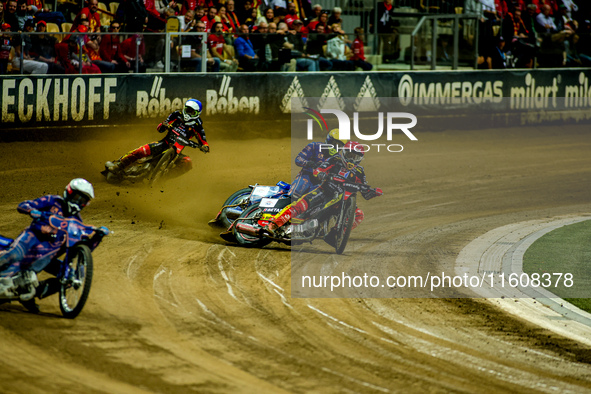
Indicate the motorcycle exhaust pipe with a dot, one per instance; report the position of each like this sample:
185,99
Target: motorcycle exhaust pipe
248,229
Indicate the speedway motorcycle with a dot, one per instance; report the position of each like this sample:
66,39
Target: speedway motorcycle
243,198
70,271
153,168
332,221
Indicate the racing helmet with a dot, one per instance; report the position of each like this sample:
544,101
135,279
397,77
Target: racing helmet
352,154
192,110
332,138
77,194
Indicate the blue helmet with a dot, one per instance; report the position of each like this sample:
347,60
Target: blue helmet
192,110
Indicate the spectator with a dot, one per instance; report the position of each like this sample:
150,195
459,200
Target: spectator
24,12
223,19
209,19
187,21
233,19
295,43
156,21
574,58
315,15
248,59
195,42
90,13
291,15
268,17
132,55
358,57
299,28
5,48
10,15
69,56
135,15
1,13
43,48
315,48
92,48
322,20
571,8
335,17
258,39
498,59
44,14
245,11
251,20
545,22
389,39
109,47
520,43
30,66
338,52
219,49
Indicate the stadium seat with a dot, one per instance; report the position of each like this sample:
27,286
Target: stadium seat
106,19
54,28
66,26
113,7
173,25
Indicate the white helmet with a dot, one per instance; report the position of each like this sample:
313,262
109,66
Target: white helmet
77,194
192,110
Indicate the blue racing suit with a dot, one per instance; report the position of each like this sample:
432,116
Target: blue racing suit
39,243
309,159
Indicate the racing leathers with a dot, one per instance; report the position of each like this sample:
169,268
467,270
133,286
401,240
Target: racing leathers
325,192
39,242
309,159
174,122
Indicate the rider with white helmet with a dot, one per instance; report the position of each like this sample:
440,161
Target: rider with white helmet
187,122
40,242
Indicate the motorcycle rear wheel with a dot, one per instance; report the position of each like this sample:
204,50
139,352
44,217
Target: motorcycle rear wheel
345,225
250,215
236,198
74,293
161,168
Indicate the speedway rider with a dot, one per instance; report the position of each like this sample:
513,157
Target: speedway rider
345,163
40,242
309,159
187,122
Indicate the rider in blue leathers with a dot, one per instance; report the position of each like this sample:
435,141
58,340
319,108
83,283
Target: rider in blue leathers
309,159
40,243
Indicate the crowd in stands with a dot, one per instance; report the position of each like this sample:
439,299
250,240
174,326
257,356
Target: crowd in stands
269,35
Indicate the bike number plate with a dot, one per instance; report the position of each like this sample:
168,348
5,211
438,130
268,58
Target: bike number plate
268,202
261,191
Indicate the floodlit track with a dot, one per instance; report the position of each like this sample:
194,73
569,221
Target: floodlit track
175,309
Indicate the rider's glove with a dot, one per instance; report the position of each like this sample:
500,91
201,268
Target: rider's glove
310,164
322,175
103,230
204,148
35,214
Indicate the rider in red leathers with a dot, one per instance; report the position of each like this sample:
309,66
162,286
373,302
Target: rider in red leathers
187,122
345,164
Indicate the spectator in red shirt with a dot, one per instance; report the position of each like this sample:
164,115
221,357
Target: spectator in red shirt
322,20
209,19
127,53
291,15
109,47
358,57
218,48
91,14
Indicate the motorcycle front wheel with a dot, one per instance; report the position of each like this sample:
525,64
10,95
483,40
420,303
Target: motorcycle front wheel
250,216
345,224
75,289
162,167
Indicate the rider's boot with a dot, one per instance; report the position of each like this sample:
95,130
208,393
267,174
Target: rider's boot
114,167
6,287
30,306
30,284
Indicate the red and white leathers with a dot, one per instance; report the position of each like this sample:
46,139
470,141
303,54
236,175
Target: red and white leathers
187,129
334,165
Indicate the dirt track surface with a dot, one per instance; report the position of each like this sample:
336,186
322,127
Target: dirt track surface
175,309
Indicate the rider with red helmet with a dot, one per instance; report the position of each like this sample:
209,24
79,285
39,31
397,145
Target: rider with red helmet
187,122
346,164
